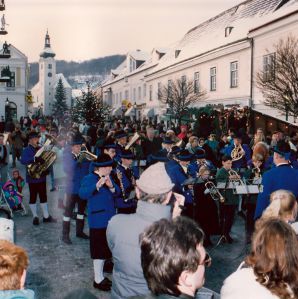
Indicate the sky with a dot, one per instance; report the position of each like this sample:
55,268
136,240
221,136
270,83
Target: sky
86,29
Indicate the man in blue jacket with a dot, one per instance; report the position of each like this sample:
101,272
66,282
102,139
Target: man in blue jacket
125,177
283,176
36,186
100,191
76,169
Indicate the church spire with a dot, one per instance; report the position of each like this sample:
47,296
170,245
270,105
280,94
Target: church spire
47,51
47,43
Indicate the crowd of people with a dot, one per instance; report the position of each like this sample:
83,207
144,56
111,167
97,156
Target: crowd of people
176,191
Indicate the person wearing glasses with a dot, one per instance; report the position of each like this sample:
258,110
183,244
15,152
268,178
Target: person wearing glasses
179,240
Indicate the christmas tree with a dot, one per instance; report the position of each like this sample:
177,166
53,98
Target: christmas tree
59,105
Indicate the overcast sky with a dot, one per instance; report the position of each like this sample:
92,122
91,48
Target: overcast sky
85,29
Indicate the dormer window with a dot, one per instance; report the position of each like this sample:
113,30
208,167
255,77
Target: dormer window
177,52
228,30
132,64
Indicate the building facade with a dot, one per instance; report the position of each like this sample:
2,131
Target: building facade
13,94
221,56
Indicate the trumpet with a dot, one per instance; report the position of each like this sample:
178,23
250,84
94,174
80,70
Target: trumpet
214,193
237,153
234,174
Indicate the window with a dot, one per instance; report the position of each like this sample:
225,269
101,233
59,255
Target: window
126,95
234,74
139,93
196,83
150,92
134,97
144,90
170,88
12,82
50,66
183,83
132,64
269,67
121,97
213,78
158,90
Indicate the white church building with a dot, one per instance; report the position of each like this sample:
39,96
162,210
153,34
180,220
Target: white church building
44,91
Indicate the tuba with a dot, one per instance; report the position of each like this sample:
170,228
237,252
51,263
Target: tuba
237,153
46,158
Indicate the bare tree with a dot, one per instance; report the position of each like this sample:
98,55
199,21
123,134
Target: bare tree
278,81
180,95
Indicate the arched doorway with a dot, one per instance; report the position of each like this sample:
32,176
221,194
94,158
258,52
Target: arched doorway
10,111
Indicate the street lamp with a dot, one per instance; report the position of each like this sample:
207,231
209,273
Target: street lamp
135,110
6,102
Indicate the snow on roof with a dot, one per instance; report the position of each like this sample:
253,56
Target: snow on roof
76,93
210,34
139,55
64,81
288,8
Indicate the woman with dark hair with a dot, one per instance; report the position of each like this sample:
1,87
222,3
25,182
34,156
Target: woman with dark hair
270,270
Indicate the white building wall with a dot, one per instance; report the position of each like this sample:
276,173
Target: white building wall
18,63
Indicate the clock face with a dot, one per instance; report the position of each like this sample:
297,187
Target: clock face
49,74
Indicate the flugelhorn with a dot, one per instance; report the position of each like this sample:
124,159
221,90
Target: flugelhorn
213,191
86,155
133,140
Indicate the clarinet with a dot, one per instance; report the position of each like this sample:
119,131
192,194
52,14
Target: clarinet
119,176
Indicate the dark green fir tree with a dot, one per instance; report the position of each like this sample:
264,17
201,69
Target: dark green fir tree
90,108
59,104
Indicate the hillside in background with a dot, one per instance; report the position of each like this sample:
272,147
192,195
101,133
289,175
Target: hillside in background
94,67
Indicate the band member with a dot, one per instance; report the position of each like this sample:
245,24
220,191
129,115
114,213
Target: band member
167,144
76,169
243,152
205,209
253,176
100,191
121,141
228,208
177,171
199,161
283,176
125,177
110,149
36,186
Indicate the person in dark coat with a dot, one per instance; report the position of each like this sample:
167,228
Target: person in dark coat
99,191
206,214
76,169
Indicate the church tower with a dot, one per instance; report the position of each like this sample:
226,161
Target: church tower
47,76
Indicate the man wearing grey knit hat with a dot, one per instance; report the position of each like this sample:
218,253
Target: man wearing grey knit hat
155,201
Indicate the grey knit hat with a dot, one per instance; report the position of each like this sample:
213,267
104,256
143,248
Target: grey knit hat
155,180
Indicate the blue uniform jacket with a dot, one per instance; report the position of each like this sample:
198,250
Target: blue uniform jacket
241,163
101,203
74,170
28,158
194,167
128,187
178,176
280,177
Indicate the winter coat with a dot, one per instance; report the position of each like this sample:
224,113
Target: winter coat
17,294
101,205
242,284
123,239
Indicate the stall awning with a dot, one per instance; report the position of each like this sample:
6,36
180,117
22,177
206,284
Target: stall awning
117,111
148,112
